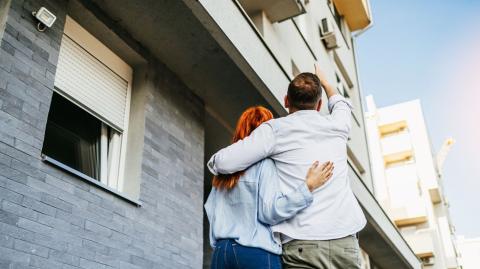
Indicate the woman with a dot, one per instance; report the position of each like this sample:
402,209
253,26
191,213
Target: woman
242,206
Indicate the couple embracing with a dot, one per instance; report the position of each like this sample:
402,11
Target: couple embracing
281,193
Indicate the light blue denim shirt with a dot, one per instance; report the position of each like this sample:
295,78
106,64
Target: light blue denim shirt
246,212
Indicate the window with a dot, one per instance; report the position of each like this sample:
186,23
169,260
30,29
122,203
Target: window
81,141
88,118
72,137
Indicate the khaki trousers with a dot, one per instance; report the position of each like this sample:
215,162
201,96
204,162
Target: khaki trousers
342,253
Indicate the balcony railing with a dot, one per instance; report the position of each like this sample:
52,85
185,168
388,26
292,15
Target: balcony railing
405,204
409,215
421,241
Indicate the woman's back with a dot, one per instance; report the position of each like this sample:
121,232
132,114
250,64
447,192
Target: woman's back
245,212
234,213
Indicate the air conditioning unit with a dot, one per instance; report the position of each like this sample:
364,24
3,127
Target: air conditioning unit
327,34
428,261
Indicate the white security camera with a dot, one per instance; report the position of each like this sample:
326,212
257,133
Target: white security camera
45,18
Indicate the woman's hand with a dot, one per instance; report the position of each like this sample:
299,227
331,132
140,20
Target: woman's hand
319,174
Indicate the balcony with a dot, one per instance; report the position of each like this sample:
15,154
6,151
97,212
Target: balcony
406,204
391,128
276,10
396,143
421,241
409,215
356,13
398,157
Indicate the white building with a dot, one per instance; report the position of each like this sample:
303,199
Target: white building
407,180
469,252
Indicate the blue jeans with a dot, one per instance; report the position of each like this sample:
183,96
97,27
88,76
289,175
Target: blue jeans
229,254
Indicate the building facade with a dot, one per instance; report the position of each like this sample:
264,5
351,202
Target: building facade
107,118
408,181
469,249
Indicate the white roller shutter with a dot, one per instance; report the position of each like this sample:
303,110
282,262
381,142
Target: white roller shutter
92,85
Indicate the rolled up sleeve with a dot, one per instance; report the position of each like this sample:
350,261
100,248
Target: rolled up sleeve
340,111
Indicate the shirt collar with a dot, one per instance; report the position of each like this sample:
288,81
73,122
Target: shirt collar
303,112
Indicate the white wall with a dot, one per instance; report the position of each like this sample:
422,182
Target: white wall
470,252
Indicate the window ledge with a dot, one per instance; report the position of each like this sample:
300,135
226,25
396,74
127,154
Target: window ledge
81,175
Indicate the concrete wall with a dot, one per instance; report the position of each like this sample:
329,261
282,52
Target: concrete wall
51,219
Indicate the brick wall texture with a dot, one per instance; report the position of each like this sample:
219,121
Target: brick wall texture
50,219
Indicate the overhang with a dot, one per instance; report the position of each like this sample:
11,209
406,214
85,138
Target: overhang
276,10
356,13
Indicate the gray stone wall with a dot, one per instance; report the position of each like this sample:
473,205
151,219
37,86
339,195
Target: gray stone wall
51,219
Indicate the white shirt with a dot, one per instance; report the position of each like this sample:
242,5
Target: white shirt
294,142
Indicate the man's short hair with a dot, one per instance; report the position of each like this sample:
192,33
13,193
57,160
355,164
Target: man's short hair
304,91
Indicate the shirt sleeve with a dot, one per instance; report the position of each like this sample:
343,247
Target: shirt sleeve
274,206
244,153
340,111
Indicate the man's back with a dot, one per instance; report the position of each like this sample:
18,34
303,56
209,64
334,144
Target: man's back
300,139
294,143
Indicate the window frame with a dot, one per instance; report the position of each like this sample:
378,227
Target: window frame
104,55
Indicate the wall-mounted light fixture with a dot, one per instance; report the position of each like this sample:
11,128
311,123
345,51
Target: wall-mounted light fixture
45,18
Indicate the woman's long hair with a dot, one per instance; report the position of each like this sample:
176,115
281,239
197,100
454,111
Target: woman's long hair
248,121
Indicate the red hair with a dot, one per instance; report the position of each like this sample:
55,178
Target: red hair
248,121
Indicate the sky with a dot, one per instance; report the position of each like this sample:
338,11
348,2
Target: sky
430,50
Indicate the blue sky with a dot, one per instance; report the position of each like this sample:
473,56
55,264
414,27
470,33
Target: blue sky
430,50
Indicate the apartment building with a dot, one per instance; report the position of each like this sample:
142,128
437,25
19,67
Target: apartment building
469,249
408,180
110,108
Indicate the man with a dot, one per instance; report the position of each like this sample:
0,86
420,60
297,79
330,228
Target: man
324,234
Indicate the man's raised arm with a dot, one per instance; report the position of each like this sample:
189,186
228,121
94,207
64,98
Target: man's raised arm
340,108
243,153
329,90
